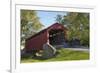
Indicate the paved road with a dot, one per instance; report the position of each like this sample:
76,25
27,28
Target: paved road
79,49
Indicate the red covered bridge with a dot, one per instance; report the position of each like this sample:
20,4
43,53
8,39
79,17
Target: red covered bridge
54,35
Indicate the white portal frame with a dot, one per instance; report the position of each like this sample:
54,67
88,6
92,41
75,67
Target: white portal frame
16,66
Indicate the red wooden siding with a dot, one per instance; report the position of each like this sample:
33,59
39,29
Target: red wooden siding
36,41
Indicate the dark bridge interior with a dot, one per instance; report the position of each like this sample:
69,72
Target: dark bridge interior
56,37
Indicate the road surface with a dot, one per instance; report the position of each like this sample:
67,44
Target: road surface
79,49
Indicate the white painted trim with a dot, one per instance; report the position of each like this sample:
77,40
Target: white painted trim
15,40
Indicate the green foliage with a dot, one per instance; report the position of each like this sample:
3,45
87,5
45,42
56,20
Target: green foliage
77,25
59,18
29,24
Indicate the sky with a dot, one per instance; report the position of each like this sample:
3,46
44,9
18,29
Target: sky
48,18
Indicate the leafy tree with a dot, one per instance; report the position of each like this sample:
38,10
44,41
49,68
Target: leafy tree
30,24
77,25
59,19
80,24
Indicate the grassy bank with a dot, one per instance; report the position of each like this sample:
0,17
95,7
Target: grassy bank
63,55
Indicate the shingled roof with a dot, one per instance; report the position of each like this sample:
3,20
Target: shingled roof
46,29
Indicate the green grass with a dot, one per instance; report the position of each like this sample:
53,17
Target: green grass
63,55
